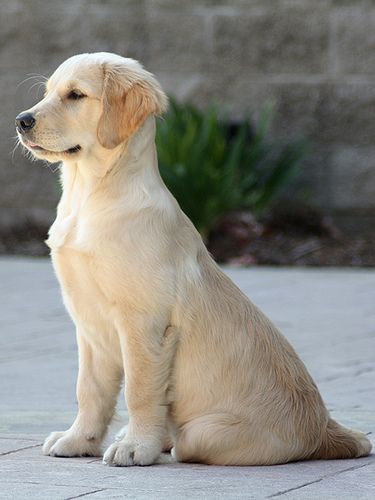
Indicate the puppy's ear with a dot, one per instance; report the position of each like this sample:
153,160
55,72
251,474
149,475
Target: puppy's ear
127,101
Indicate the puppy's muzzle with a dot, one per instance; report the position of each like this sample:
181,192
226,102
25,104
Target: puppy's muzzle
25,122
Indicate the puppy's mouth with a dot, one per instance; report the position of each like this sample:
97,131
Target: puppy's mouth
37,148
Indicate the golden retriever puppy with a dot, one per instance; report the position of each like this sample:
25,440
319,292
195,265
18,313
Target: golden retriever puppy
204,369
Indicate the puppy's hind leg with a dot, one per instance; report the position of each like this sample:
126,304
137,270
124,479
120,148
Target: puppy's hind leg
225,439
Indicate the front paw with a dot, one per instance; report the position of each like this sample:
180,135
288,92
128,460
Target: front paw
131,451
70,444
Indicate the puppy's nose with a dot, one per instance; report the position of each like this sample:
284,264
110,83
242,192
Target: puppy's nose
25,121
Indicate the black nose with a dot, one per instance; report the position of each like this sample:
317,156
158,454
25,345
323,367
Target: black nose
25,121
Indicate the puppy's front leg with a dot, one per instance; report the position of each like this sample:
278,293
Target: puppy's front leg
148,350
98,384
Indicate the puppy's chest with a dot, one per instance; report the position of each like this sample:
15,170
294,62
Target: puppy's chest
69,231
97,283
82,286
107,266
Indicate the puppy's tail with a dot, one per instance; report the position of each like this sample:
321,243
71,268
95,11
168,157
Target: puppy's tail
340,442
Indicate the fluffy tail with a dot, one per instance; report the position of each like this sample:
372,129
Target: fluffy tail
340,442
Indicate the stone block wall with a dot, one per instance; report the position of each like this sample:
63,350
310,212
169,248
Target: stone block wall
314,59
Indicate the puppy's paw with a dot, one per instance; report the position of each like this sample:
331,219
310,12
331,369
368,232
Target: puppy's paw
51,440
132,452
69,444
364,444
167,443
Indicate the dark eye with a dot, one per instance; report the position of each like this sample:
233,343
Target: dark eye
74,95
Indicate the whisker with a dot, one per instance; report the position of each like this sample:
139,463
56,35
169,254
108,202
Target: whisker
41,79
51,166
18,142
36,84
27,79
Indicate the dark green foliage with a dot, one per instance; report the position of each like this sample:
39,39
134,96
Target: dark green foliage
213,169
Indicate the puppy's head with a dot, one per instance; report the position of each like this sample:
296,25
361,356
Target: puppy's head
92,101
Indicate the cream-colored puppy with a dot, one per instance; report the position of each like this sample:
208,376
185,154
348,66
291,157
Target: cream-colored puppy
204,369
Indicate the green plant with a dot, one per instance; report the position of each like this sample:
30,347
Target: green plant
212,170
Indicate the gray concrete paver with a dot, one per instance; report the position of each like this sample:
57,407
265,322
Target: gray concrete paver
357,482
9,445
328,315
178,480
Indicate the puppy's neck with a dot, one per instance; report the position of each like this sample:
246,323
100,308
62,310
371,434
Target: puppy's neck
131,183
141,145
129,170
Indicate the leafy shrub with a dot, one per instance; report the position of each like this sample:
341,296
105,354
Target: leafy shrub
212,168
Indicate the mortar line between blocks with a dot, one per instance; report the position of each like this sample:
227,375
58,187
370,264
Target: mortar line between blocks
280,493
20,449
86,494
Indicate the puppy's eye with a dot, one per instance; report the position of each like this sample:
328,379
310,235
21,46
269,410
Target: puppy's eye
74,95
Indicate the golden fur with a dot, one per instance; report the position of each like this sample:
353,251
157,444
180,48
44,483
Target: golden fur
205,370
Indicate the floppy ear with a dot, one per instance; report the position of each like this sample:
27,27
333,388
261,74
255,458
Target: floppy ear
126,105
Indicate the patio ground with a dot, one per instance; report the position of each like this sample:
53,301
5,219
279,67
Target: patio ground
328,315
